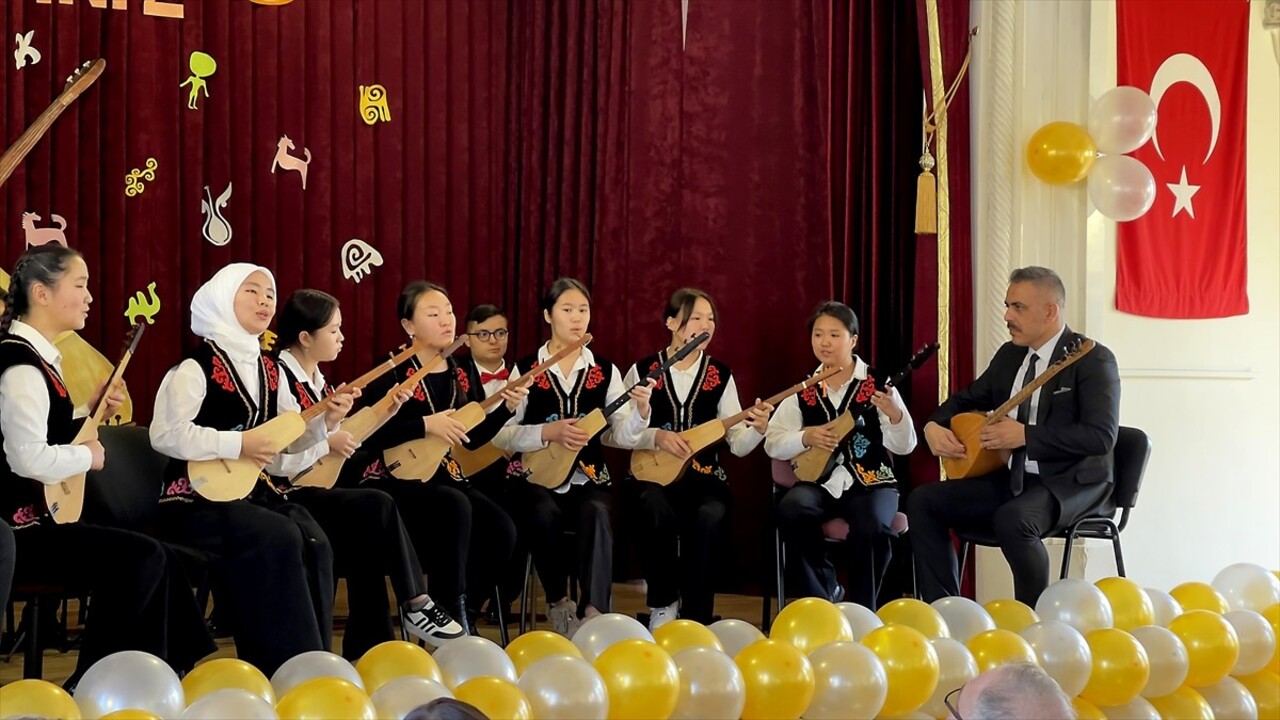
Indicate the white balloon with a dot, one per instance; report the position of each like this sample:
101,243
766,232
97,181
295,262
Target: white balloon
1230,700
399,697
861,619
711,686
1167,656
230,703
1062,652
734,635
956,667
1122,120
473,657
130,679
1166,608
1136,709
1257,641
602,631
310,665
1077,603
563,687
965,618
1121,187
1248,587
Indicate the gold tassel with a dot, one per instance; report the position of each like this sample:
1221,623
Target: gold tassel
926,197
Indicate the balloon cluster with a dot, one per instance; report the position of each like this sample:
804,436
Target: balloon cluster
1121,121
1200,650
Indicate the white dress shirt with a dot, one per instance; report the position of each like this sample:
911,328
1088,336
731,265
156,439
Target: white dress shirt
314,444
24,418
182,392
785,437
1043,353
624,428
742,438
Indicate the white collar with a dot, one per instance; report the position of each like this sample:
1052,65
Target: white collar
859,373
502,365
317,380
1051,344
585,360
47,350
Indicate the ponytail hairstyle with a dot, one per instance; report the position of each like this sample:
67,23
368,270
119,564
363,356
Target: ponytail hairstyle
43,265
305,311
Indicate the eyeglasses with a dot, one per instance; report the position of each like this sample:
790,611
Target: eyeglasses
952,708
486,335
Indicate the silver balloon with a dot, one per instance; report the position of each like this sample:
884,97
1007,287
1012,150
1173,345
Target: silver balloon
1257,641
1248,587
711,686
309,666
1230,699
735,635
1167,656
965,618
1136,709
1122,188
400,696
563,687
1165,607
473,657
130,680
956,667
602,631
861,619
1077,603
1122,120
230,703
1062,653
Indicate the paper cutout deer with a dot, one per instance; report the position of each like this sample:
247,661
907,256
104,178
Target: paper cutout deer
284,160
45,235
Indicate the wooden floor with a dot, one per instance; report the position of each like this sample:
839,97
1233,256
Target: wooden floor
628,598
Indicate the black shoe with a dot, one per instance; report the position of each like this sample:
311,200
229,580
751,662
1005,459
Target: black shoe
837,595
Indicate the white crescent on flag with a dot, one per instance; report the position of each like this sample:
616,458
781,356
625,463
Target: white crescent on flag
1187,68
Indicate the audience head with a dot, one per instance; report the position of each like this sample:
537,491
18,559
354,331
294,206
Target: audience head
446,709
1033,306
1012,692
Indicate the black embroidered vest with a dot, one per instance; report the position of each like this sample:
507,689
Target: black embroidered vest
702,404
22,502
862,453
226,406
549,402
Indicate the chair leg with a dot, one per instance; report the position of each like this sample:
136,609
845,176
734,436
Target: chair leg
1066,555
527,606
33,655
1115,543
964,561
503,634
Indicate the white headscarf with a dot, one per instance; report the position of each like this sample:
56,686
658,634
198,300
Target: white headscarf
213,312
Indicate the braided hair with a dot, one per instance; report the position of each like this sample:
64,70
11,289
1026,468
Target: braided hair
42,265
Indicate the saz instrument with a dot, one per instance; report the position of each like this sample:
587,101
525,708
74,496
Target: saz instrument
225,479
815,463
978,460
66,499
551,466
77,84
324,473
663,468
418,459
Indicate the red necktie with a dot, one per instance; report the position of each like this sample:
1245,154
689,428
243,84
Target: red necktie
486,378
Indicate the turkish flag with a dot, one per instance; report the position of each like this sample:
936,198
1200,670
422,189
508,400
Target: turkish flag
1186,257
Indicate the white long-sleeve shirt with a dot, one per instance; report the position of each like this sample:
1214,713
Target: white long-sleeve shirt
294,460
24,418
785,437
741,438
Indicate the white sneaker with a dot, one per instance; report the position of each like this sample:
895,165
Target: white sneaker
662,615
432,624
564,618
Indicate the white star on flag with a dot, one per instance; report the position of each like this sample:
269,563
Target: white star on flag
1182,193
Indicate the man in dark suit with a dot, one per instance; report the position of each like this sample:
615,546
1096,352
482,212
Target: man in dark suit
1060,443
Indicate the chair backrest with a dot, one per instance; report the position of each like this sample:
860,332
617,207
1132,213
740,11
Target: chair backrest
783,475
126,491
1133,449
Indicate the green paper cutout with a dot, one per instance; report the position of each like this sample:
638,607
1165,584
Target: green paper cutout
202,66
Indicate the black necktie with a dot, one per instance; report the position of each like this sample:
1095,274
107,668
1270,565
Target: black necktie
1022,415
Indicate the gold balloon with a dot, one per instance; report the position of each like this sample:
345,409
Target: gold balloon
1130,604
1199,596
1265,688
1183,704
1011,615
1086,710
1212,646
680,635
1061,153
910,664
810,623
1272,614
916,614
994,648
226,674
326,698
495,697
37,698
779,678
642,680
393,659
1120,667
130,714
531,647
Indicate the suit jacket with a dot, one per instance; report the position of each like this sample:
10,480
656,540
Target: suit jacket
1077,421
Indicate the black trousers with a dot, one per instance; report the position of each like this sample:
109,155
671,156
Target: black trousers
983,505
317,555
260,575
369,543
544,516
682,529
138,600
867,551
8,555
493,483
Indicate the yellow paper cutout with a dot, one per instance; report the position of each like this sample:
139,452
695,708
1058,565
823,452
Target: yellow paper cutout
133,181
141,307
373,104
202,66
268,341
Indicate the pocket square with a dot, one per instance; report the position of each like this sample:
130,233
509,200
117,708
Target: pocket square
1062,390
